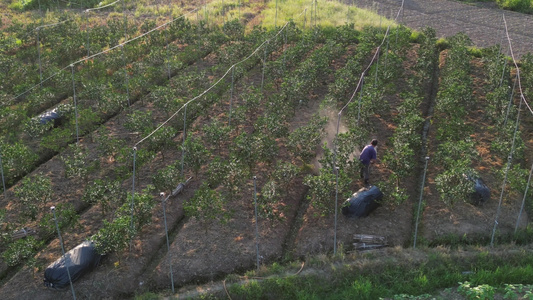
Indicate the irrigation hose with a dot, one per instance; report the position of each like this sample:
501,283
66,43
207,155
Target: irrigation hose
301,268
225,289
259,278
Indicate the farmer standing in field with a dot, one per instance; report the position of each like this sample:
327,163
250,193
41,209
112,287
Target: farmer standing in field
368,156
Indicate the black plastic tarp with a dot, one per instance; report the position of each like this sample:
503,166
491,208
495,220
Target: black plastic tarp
363,202
50,116
80,260
481,192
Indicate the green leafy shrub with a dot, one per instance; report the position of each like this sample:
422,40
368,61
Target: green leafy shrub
284,173
347,143
127,156
216,133
17,159
481,292
275,190
21,250
453,184
66,217
34,128
272,124
139,121
113,236
393,191
207,205
196,155
234,29
107,193
234,177
108,145
76,160
32,194
166,179
269,201
143,205
5,228
322,190
304,140
58,139
524,6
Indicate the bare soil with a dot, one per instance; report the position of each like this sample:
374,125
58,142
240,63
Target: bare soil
482,22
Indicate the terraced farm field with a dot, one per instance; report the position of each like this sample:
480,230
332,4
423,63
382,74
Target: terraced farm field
265,125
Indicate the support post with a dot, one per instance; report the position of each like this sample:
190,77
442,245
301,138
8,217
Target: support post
53,209
284,54
316,12
264,67
336,170
276,16
132,226
163,202
377,68
168,56
510,101
360,99
503,72
498,210
2,172
184,135
231,93
523,200
336,209
420,202
386,55
503,33
126,79
39,57
168,39
256,224
125,21
88,45
509,160
75,105
40,11
305,17
223,13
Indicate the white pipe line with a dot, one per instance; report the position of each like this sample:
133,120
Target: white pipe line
212,86
373,58
523,98
50,25
85,11
135,38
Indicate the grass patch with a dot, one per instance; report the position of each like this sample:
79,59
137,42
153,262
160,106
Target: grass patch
328,14
523,6
22,5
420,272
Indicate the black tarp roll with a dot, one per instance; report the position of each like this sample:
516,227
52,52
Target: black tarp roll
50,116
363,202
80,260
482,192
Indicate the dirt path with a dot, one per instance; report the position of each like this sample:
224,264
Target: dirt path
483,22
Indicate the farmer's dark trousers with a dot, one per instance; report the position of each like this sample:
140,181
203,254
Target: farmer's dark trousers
365,172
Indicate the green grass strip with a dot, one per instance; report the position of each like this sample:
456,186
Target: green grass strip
395,275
